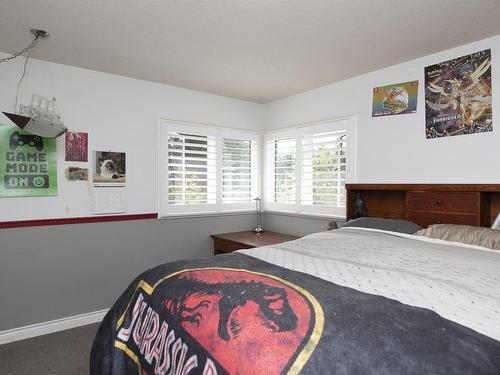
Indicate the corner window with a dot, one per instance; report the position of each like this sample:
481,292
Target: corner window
206,169
306,168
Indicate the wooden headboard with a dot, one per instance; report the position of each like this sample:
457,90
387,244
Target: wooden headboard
426,204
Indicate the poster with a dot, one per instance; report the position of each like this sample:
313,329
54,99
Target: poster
458,96
28,163
76,174
109,167
396,99
76,146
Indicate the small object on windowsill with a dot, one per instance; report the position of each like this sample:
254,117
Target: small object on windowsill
359,207
258,207
332,225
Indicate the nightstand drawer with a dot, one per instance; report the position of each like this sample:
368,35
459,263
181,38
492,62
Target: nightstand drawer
229,242
443,201
426,218
227,246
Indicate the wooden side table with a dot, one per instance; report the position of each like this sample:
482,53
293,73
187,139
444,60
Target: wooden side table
229,242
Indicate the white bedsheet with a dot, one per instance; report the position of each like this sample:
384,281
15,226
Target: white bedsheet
460,283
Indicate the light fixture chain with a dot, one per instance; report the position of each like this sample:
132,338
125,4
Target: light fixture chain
32,45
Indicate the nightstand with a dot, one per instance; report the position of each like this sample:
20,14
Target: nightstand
229,242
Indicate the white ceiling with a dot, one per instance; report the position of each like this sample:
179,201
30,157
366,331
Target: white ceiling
254,50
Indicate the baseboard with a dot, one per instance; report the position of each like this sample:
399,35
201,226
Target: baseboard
51,326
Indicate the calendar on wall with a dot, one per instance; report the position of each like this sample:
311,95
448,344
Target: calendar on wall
109,199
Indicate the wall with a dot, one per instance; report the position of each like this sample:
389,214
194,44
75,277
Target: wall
120,114
60,271
394,148
65,270
296,224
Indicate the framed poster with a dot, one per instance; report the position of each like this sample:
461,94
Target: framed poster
458,96
396,99
28,163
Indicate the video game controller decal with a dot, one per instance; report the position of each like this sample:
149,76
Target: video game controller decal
28,163
17,139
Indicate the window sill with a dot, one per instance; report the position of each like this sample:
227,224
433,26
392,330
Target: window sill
190,215
306,215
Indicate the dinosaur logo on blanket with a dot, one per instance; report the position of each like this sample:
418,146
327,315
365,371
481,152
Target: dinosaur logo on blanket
215,321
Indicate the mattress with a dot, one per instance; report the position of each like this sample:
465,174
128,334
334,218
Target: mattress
459,282
349,301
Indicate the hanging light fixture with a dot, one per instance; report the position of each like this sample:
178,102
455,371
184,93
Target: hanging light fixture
40,117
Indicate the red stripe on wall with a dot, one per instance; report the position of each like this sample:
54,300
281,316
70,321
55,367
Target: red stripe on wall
75,220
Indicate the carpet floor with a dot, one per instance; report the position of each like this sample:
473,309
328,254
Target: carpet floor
66,352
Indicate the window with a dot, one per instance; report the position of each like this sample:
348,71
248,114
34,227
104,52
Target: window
239,156
323,172
205,169
307,167
284,155
191,169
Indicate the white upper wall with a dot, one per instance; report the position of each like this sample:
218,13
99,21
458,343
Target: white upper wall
120,114
394,148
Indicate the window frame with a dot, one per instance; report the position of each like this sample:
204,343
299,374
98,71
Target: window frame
347,123
165,209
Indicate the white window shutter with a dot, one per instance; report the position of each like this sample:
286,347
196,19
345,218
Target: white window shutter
239,160
285,155
281,171
205,169
306,168
323,174
191,168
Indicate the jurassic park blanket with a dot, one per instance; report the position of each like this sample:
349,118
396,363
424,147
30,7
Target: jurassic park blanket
235,314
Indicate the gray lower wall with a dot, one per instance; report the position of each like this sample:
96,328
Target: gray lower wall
53,272
298,225
58,271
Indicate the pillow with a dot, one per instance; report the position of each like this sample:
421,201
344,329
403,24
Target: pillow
394,225
478,236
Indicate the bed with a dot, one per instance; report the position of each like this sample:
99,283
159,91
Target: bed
348,301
